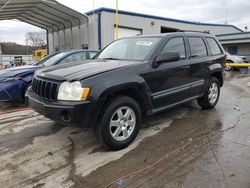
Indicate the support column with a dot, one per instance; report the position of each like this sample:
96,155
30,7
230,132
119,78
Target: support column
72,39
53,40
80,35
65,47
59,43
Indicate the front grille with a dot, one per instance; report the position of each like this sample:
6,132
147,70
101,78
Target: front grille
45,89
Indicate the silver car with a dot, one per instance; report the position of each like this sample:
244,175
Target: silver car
235,59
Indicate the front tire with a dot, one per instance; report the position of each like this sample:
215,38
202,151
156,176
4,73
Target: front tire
25,100
120,123
211,95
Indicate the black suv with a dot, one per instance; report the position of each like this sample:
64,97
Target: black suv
129,78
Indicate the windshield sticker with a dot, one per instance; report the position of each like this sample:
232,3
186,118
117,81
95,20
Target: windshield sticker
144,43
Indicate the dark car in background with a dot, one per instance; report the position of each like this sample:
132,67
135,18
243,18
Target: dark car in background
15,81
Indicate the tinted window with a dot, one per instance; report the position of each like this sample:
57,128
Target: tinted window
198,47
73,58
175,45
215,49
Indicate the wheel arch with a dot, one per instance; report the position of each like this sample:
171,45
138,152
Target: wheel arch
139,92
219,76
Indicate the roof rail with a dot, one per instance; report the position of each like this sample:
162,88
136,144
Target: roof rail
207,32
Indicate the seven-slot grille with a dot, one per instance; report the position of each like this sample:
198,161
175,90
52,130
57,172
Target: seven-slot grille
44,88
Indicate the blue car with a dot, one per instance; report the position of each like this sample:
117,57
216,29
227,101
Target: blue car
14,82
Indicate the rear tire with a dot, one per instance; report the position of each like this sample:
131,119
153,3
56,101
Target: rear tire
119,124
211,95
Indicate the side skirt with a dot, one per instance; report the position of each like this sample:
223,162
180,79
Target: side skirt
157,110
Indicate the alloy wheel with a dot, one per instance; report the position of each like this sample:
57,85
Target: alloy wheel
122,123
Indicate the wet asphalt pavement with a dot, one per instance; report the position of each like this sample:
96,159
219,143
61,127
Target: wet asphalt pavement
189,147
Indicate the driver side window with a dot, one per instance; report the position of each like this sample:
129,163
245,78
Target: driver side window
175,44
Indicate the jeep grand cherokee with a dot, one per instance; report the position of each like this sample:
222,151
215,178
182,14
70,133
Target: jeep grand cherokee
129,78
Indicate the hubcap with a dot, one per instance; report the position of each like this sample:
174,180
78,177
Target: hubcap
122,123
213,93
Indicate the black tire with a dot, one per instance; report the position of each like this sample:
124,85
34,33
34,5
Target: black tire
204,101
25,100
103,128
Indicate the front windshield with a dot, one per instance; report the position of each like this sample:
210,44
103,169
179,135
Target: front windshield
129,48
54,59
41,61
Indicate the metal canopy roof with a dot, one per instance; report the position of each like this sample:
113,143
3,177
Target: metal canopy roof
46,14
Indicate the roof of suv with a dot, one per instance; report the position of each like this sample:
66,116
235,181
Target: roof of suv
175,33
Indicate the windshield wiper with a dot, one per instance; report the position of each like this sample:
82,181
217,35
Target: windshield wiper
110,58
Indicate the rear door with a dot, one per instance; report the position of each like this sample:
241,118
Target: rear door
200,62
170,81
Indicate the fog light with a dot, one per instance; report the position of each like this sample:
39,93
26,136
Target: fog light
66,116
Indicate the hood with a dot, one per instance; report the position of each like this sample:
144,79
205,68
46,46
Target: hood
17,71
79,71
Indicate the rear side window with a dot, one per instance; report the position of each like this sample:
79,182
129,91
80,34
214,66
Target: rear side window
73,58
197,46
215,49
175,45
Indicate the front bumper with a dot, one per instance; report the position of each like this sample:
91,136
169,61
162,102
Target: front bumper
62,112
12,90
5,95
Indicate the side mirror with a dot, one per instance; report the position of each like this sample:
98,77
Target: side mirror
167,57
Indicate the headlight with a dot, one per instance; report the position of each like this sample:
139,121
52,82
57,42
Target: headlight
72,91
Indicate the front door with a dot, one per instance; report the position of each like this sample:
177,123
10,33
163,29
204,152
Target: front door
170,81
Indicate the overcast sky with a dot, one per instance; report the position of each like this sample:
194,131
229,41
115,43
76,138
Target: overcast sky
214,11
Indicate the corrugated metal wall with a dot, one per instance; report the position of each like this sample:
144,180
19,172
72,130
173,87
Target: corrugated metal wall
93,31
80,37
